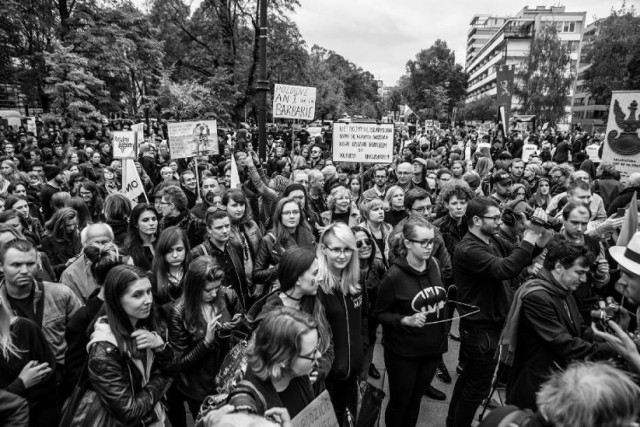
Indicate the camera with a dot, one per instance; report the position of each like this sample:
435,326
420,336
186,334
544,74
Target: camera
550,224
606,312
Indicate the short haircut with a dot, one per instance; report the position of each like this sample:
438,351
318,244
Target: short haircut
578,183
564,168
185,173
589,394
479,206
377,168
570,207
22,245
97,229
566,253
175,195
368,205
414,194
443,171
458,190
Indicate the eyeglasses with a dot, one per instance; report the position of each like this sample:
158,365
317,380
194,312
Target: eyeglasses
423,209
216,207
495,218
422,243
312,357
340,251
361,243
162,203
289,213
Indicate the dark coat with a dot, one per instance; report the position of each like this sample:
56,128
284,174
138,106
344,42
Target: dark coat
551,334
623,200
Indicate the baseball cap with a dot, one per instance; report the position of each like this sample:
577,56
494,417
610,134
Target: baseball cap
501,177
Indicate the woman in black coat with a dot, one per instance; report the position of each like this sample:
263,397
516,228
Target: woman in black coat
411,307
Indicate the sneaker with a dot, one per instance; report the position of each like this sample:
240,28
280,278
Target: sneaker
443,373
373,372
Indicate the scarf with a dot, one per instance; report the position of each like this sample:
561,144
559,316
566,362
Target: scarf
509,337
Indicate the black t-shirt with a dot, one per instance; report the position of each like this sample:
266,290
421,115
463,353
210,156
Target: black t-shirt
23,306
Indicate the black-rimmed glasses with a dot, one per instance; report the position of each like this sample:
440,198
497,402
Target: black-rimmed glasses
422,243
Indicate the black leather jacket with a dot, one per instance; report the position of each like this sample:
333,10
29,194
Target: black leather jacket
119,383
199,362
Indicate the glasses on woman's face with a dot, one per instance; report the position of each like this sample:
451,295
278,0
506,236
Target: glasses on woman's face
313,356
422,243
340,251
365,242
217,206
294,212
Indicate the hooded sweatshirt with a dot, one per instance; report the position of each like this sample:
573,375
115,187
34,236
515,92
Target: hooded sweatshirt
403,292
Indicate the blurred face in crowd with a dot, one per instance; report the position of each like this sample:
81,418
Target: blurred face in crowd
108,175
173,166
457,207
580,196
397,200
22,207
520,193
343,202
629,284
576,223
557,178
503,189
15,223
444,178
219,230
9,150
544,188
404,172
517,169
316,152
95,158
422,207
354,186
166,173
6,169
235,210
210,290
290,215
364,245
148,223
279,151
175,256
241,158
208,185
582,175
74,169
299,197
71,225
227,179
457,170
570,278
58,150
529,173
301,178
380,178
189,181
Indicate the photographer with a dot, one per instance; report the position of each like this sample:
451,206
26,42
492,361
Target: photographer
628,259
544,328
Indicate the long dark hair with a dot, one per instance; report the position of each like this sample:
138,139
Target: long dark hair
357,228
57,225
202,270
239,197
293,263
133,243
169,237
116,284
280,232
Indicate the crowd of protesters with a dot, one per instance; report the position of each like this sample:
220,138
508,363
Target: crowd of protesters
137,302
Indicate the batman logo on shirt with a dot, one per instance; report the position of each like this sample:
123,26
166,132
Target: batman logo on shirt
431,301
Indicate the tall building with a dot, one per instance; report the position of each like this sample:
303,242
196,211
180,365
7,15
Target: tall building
588,110
494,41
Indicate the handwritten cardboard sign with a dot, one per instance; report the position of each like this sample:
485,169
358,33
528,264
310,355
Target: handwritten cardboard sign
124,145
318,413
294,102
189,139
362,142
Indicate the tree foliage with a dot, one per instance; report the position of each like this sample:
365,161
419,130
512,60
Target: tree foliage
544,81
614,55
482,109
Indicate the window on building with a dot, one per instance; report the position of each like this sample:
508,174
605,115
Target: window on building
569,27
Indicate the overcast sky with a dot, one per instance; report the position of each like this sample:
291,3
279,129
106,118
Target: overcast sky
382,35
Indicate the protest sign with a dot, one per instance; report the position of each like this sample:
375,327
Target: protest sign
592,152
124,145
189,139
528,150
131,183
362,142
319,413
31,126
622,142
294,102
139,130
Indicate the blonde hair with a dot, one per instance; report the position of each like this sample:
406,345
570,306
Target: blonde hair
335,194
7,347
348,282
389,195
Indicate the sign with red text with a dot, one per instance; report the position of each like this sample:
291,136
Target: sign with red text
294,102
362,142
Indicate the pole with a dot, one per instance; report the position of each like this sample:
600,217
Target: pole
262,84
293,149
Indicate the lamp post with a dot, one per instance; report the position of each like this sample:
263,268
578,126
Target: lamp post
262,84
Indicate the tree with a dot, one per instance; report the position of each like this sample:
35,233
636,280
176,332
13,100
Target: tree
544,82
483,108
72,88
433,83
614,55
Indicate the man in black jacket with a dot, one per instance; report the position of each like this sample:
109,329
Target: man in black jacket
548,328
483,265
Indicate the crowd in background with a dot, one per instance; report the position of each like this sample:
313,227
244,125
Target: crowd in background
137,302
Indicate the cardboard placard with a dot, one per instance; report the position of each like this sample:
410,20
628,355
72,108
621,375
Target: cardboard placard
319,413
592,152
528,150
31,126
124,145
362,142
189,139
622,139
294,102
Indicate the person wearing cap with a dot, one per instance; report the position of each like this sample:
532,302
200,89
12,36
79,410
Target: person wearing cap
502,183
419,173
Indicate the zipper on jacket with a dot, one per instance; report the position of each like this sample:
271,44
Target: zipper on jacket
346,310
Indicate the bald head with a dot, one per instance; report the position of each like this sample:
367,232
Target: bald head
634,180
404,172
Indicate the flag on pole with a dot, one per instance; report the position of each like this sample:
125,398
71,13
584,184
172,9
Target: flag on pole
131,183
502,119
630,223
235,178
407,112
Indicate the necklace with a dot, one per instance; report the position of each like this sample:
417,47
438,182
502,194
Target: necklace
290,297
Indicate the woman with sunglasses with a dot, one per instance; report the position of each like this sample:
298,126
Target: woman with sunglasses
199,327
282,353
411,307
371,272
344,302
290,229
